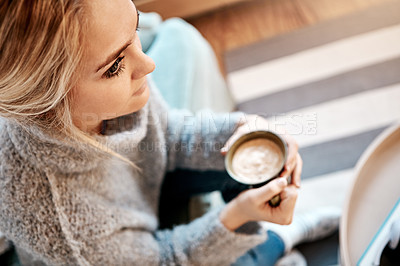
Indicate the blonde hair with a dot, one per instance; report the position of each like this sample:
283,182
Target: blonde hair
41,47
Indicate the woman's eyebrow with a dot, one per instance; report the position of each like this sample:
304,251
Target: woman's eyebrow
114,55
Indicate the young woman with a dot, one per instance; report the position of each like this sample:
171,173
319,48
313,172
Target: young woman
86,141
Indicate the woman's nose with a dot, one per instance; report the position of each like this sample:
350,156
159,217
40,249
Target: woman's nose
143,64
149,63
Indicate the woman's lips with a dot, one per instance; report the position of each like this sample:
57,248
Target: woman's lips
140,90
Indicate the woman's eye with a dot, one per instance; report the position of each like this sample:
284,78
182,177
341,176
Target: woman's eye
115,69
137,25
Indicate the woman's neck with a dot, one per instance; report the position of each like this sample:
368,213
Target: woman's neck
90,126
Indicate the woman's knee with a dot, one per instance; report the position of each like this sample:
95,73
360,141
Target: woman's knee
183,35
179,28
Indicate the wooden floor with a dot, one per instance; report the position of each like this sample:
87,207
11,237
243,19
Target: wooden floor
254,20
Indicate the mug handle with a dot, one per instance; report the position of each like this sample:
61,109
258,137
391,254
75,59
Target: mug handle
276,200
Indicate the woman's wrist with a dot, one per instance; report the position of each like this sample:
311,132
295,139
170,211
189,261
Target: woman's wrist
231,216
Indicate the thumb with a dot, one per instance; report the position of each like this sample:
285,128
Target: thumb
273,188
229,143
240,131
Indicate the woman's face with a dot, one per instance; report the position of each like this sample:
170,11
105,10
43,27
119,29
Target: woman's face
113,76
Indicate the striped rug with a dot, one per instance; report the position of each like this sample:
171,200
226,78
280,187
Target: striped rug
335,86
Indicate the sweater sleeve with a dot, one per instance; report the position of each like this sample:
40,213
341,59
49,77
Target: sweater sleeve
204,241
194,141
65,233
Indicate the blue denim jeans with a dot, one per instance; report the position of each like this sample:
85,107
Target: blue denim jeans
180,185
265,254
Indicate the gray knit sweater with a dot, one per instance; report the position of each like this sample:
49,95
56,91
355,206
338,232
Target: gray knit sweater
66,204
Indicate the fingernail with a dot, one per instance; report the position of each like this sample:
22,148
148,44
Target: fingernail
282,181
224,149
285,176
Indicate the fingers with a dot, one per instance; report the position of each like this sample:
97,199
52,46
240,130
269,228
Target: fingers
286,171
252,205
250,123
238,133
291,159
296,176
294,163
289,167
289,198
289,193
293,147
268,191
228,144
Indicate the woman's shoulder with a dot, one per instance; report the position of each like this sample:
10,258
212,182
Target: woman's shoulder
8,152
15,169
26,208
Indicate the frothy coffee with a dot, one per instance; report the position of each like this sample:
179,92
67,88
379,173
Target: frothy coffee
257,160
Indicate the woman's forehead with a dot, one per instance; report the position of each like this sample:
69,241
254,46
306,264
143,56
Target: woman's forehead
110,25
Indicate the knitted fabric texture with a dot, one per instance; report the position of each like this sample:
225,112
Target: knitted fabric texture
63,203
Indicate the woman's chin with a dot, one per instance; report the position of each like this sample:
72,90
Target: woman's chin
139,101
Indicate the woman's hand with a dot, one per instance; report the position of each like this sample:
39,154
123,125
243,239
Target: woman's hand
294,163
252,205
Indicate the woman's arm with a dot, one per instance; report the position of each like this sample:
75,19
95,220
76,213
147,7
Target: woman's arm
204,241
60,229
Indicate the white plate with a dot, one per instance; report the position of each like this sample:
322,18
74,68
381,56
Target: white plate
374,192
